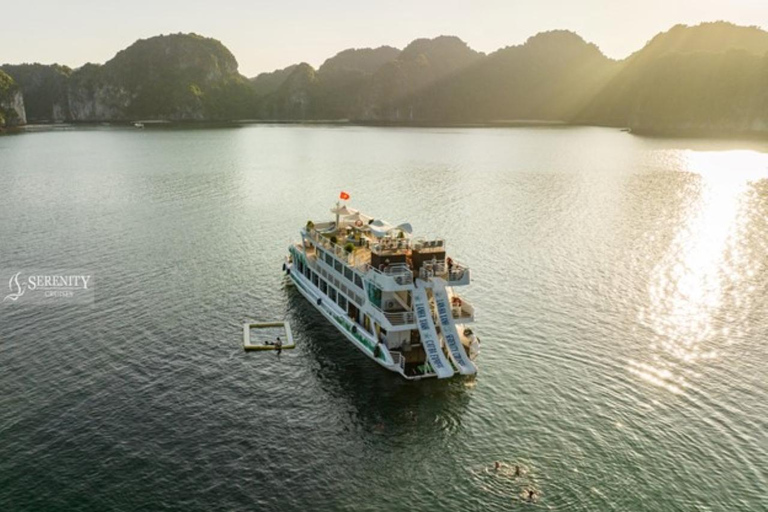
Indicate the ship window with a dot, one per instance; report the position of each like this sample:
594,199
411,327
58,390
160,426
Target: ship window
374,295
358,282
332,294
306,271
348,273
337,266
329,259
341,301
323,287
320,253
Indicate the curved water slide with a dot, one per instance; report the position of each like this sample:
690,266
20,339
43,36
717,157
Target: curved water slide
450,334
429,338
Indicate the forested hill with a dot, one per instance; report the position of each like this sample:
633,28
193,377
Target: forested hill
182,77
707,79
712,78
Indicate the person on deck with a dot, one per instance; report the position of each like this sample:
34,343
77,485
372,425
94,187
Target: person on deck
278,345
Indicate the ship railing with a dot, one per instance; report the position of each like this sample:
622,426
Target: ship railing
400,317
391,245
421,244
398,359
400,272
455,274
336,249
404,244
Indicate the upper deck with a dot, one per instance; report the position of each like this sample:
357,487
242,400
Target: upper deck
388,255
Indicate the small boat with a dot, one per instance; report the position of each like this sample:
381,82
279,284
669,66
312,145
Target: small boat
138,125
286,337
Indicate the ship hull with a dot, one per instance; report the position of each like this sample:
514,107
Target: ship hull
337,318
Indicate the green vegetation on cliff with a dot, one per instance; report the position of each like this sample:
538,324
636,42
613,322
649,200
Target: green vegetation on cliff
705,79
711,78
11,103
174,77
45,90
550,77
708,78
330,92
266,83
178,76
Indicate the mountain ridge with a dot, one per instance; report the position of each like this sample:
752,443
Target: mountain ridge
708,78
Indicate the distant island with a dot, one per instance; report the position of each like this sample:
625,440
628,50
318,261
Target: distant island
710,79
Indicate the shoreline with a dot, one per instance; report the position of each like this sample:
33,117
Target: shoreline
521,123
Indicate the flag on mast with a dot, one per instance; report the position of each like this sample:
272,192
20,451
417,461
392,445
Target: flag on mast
343,195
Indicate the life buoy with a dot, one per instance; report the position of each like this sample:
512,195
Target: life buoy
359,223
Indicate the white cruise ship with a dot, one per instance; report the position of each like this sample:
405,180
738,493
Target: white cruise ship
392,295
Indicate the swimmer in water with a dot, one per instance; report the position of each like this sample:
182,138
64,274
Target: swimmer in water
496,466
531,494
517,471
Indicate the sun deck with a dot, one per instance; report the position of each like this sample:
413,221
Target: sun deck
391,252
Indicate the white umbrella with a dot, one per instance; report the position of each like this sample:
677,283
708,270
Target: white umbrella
405,227
343,211
379,228
358,218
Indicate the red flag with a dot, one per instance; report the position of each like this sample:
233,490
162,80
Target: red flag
344,196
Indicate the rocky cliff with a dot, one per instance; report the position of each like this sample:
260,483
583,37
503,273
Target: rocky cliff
45,90
182,77
11,103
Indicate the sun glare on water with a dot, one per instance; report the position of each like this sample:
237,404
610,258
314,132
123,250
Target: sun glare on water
696,289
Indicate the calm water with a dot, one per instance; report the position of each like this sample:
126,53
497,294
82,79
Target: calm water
621,285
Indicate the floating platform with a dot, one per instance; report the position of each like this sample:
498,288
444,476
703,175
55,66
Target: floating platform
286,338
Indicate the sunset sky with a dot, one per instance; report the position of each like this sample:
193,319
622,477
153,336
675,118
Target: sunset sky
265,35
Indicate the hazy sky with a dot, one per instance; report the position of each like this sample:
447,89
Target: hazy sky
269,35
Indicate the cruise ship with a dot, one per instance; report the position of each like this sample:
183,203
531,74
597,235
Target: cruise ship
392,295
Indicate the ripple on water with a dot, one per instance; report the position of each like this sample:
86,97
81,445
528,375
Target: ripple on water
620,296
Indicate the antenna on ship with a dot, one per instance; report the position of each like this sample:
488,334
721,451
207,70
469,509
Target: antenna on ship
338,205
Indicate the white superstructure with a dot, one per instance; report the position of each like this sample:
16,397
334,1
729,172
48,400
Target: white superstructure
390,294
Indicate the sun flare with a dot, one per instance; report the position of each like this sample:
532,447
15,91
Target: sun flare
704,261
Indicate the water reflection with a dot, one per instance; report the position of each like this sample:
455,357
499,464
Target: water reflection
696,290
377,401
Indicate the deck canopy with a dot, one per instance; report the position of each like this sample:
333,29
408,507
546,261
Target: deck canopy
381,229
343,210
357,218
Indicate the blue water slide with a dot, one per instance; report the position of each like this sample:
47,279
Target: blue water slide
448,326
429,338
